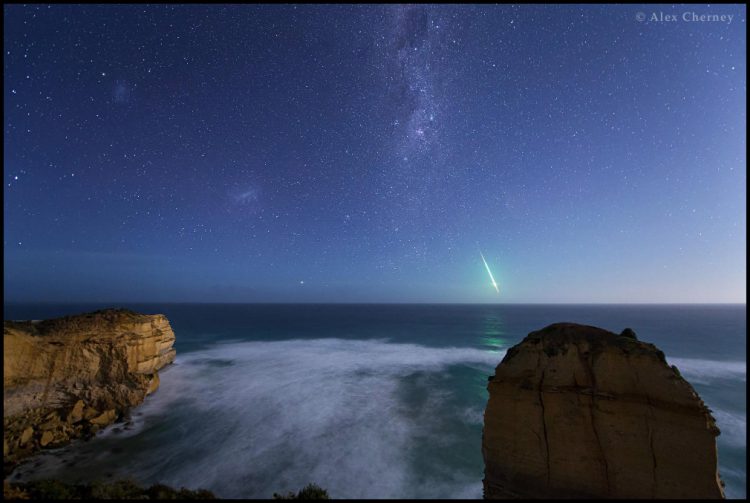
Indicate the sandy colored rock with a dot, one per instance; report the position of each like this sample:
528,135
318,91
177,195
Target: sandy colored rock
104,418
153,384
44,360
90,413
49,425
47,437
76,413
577,411
92,366
26,435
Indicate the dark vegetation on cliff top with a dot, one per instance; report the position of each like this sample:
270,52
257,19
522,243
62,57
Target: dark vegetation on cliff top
309,492
126,489
122,489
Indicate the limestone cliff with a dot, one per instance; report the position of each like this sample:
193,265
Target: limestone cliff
577,411
68,377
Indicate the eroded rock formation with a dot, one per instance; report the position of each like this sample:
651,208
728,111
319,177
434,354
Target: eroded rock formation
577,411
68,377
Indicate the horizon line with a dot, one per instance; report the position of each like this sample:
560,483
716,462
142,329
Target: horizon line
69,302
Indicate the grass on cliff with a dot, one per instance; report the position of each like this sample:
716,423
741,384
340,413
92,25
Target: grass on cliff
121,489
127,490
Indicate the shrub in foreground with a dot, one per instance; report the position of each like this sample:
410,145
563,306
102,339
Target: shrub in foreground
51,489
309,492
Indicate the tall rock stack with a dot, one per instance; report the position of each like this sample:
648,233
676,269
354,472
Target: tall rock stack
68,377
578,412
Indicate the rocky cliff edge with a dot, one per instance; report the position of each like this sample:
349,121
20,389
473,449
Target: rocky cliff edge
68,377
577,411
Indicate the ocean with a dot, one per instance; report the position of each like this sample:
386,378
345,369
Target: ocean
367,401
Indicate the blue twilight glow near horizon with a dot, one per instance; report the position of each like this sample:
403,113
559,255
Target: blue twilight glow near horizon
357,153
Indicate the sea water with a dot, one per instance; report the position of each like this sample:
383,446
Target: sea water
377,401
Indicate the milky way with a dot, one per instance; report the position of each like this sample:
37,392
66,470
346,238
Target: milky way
418,70
417,47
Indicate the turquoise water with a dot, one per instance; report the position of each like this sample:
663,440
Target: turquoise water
365,400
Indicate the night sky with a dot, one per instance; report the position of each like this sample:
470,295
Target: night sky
367,153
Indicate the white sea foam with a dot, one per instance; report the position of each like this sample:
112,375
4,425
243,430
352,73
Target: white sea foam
327,410
360,418
733,426
703,371
473,415
735,480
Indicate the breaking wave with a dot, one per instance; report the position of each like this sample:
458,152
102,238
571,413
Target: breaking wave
704,371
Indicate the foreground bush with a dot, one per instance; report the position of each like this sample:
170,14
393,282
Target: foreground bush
52,489
121,489
309,492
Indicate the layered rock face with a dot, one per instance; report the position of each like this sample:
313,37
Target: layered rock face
577,411
68,377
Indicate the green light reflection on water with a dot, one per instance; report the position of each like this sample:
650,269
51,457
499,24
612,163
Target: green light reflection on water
493,335
492,338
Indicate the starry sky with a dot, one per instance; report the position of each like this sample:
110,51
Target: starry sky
368,153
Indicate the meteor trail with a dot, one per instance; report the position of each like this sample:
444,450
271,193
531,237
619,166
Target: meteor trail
489,272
